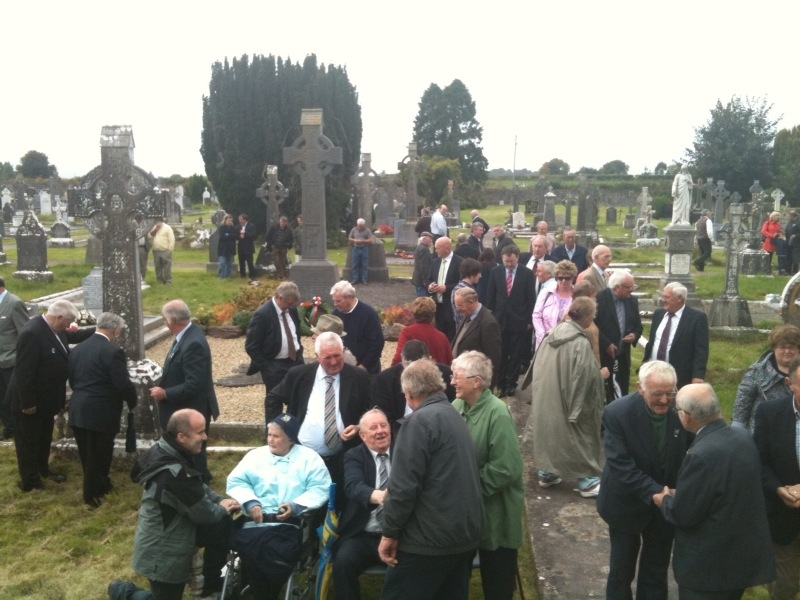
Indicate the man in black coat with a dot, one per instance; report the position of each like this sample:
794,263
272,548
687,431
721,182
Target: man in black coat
443,279
246,246
684,344
536,255
571,250
273,337
366,470
478,331
187,381
500,241
512,311
620,328
776,439
38,388
722,542
98,376
644,447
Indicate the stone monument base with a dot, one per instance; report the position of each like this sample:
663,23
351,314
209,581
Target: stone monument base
213,268
377,272
648,242
60,243
755,262
407,238
679,243
729,312
315,277
3,258
40,276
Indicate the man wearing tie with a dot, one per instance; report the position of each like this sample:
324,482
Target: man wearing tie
537,254
273,337
478,331
679,335
366,473
445,272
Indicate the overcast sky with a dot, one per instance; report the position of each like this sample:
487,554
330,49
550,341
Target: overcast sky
587,82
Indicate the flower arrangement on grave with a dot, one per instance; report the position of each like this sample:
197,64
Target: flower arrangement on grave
402,254
384,230
85,318
397,314
144,372
309,313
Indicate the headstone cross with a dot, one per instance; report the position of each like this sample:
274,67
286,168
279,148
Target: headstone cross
272,193
777,196
736,236
366,180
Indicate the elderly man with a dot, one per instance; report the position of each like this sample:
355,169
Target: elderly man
177,513
362,324
478,331
470,272
98,377
571,250
275,484
620,328
279,240
464,249
777,438
163,243
596,272
423,259
511,298
644,448
681,338
722,543
366,473
541,229
476,218
187,380
38,388
434,468
445,274
360,238
704,234
13,317
500,241
439,223
424,221
536,254
273,336
328,397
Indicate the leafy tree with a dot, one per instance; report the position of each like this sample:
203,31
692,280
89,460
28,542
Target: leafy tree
6,171
432,181
735,144
661,169
195,186
554,166
253,111
615,167
587,171
35,164
786,163
446,126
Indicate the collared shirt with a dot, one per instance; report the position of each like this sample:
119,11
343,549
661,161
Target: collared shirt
513,275
347,312
676,318
3,295
284,353
533,264
438,224
312,430
372,524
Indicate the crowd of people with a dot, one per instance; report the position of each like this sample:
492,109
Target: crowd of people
406,443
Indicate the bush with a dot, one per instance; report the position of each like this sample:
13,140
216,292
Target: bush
223,313
242,318
397,314
250,298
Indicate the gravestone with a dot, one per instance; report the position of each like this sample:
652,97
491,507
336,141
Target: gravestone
178,198
453,204
382,212
45,203
729,310
580,226
518,220
313,156
777,195
550,209
272,194
92,286
679,243
32,250
6,196
611,215
719,194
568,202
643,206
60,234
406,236
366,180
206,196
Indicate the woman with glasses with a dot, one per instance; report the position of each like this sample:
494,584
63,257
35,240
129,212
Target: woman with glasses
552,303
766,378
500,466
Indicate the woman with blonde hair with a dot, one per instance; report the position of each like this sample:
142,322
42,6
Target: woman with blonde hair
552,303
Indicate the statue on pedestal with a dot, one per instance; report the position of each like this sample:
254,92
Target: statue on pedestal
681,197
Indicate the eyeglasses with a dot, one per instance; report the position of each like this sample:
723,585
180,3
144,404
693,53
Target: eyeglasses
787,348
633,286
660,394
455,377
564,278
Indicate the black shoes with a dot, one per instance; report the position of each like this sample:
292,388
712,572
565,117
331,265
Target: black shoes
56,478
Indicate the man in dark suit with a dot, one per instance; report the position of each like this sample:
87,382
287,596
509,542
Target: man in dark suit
187,380
366,471
620,328
246,246
682,338
644,447
445,274
477,219
570,250
479,330
464,249
310,391
273,337
13,317
477,232
722,543
500,241
423,260
536,255
776,439
98,376
38,388
511,297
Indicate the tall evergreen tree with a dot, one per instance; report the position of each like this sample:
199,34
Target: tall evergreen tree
252,112
786,163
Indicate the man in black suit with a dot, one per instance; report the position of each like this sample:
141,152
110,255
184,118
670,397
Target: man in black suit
536,255
511,297
246,246
776,439
445,273
722,543
682,338
38,388
310,391
273,337
478,331
477,219
98,376
475,238
500,241
366,471
570,250
620,328
464,249
187,380
644,447
13,317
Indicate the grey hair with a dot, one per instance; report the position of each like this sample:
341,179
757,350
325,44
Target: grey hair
467,294
361,222
618,277
345,288
288,291
703,406
327,338
371,411
678,289
475,363
110,321
421,379
176,311
549,266
64,309
462,237
657,369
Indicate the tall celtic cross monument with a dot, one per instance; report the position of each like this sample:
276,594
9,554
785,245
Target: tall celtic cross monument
313,156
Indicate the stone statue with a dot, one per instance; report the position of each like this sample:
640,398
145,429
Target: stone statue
682,197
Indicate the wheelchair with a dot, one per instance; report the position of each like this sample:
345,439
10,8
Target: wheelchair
303,578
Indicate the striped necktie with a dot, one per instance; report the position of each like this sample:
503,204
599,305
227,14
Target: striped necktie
331,430
383,478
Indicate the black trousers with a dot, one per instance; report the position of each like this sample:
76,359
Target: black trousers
352,556
6,416
656,548
246,260
273,371
33,435
704,244
498,573
514,352
96,450
445,321
428,577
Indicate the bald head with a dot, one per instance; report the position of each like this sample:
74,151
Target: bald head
698,405
443,247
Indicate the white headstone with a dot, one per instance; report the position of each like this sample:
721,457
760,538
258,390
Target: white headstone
6,196
518,220
777,195
45,203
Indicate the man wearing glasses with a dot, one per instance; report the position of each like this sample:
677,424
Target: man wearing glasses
644,447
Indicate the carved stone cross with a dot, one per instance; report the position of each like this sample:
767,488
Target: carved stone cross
272,193
720,194
366,181
777,195
736,236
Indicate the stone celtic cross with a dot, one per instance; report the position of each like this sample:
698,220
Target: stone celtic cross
736,236
366,180
777,196
272,193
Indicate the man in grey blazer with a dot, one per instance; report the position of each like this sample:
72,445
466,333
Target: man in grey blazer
596,272
13,316
478,331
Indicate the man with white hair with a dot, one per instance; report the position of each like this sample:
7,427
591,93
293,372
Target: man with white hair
476,218
438,223
360,238
596,272
362,324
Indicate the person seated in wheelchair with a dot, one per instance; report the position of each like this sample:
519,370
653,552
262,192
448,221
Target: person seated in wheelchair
275,485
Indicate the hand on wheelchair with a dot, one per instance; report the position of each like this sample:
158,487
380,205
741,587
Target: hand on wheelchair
257,515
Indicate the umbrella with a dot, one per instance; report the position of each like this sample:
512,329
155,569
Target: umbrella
130,434
328,534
